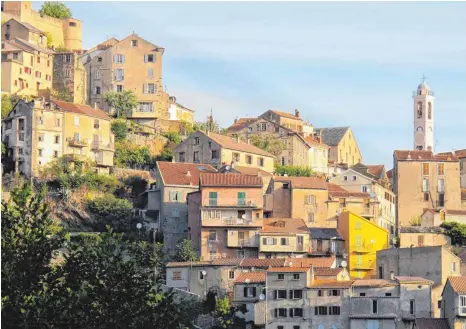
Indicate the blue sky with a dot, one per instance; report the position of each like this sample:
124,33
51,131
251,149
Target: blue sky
339,63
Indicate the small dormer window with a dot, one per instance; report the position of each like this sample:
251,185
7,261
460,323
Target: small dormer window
99,59
134,43
73,24
286,186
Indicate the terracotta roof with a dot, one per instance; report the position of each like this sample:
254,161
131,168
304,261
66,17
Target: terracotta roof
230,180
25,43
458,283
30,27
252,171
432,323
374,283
262,262
284,226
176,173
456,212
390,173
375,170
286,114
184,264
253,277
338,191
312,261
331,284
412,155
412,280
304,182
327,271
313,142
227,261
81,109
233,144
240,124
288,269
10,46
460,153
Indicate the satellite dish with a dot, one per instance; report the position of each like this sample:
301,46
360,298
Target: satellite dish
247,281
344,263
262,297
139,226
227,168
243,216
373,195
204,272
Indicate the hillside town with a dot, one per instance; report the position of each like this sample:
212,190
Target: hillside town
278,220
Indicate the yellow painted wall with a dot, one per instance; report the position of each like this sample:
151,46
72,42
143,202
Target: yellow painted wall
362,240
347,151
227,157
278,247
301,209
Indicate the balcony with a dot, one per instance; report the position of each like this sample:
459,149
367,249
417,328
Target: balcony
248,240
98,145
75,157
74,142
368,211
363,248
232,221
104,159
363,266
233,203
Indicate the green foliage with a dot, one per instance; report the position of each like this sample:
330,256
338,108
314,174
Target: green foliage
209,125
119,129
456,231
173,136
112,211
49,39
62,49
29,239
415,221
165,155
293,171
3,149
268,143
62,94
225,314
185,252
55,9
122,103
132,156
7,105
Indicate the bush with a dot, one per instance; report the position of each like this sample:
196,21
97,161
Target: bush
55,9
110,210
132,156
7,105
173,136
119,129
165,155
456,231
293,171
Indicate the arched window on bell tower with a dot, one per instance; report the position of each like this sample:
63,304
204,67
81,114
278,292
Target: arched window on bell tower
429,111
419,110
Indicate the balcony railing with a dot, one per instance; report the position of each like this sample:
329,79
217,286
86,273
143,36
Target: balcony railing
364,265
77,142
363,247
368,211
232,203
98,145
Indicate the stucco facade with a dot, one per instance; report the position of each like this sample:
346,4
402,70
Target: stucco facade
454,303
343,145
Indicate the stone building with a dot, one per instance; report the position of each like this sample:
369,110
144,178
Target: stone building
461,155
219,150
343,145
69,76
435,263
453,302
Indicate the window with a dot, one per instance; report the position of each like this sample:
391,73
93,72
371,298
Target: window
388,294
284,161
364,189
21,124
77,137
411,306
354,177
241,196
27,70
150,73
425,185
236,157
119,74
67,73
425,169
149,58
67,58
196,140
134,43
119,88
345,178
441,169
146,107
196,156
40,120
99,59
280,294
40,152
321,310
334,310
57,139
231,275
248,159
8,124
260,162
453,267
295,276
280,312
38,59
174,196
212,235
374,306
41,137
439,304
38,74
201,275
4,57
249,292
48,63
310,199
286,186
362,294
176,275
269,241
333,292
310,217
97,91
48,77
296,294
212,198
283,241
281,276
118,58
149,88
72,24
55,154
277,129
380,272
97,74
426,196
76,121
462,304
296,312
214,154
20,151
181,157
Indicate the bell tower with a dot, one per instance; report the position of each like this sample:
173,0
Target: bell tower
423,117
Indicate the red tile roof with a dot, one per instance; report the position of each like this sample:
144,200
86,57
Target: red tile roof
374,283
424,156
458,283
288,269
177,173
262,262
240,124
230,180
227,261
331,284
313,142
252,171
304,182
184,264
412,280
431,323
460,153
234,144
390,173
286,114
326,271
284,226
338,191
81,109
375,170
311,261
251,277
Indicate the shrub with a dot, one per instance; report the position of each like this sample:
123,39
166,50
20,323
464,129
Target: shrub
293,171
173,136
55,9
110,210
132,156
119,129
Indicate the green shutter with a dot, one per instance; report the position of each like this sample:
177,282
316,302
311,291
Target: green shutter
241,198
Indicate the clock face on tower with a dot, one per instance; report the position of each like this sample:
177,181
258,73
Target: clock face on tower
419,138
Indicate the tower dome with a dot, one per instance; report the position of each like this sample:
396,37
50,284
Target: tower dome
423,86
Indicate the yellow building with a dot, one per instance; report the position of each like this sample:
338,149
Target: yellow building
37,132
27,64
66,32
362,241
343,145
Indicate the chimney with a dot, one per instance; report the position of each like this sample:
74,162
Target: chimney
207,132
296,113
237,138
188,174
236,120
95,106
249,140
392,275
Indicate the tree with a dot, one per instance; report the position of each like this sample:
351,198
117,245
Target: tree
268,143
122,103
225,314
165,155
173,136
132,156
55,9
49,39
63,94
7,105
113,211
456,231
29,240
293,171
119,129
185,252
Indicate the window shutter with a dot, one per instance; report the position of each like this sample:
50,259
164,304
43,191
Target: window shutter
274,294
274,241
145,58
146,88
264,241
275,312
245,292
316,311
115,58
123,58
291,312
286,312
290,294
329,293
254,292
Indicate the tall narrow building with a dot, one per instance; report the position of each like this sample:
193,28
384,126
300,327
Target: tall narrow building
423,117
